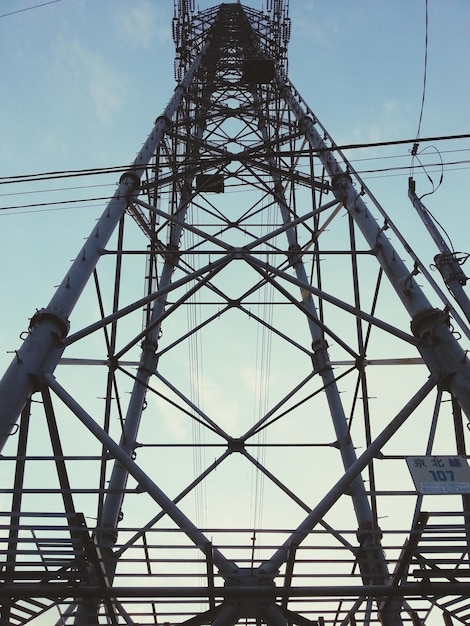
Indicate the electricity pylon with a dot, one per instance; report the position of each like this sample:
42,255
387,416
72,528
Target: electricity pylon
210,422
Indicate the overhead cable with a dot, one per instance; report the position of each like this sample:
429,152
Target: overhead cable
51,175
424,75
36,6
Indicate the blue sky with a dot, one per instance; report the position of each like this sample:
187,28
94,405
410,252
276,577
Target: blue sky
83,82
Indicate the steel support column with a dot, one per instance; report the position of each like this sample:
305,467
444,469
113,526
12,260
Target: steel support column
281,556
372,564
41,350
442,353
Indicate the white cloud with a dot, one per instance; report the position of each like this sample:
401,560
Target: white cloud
222,409
106,91
382,120
175,423
143,22
319,29
390,107
87,76
250,377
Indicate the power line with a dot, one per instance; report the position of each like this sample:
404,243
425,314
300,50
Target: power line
397,142
400,156
425,71
119,169
56,174
53,190
381,172
36,6
352,161
58,202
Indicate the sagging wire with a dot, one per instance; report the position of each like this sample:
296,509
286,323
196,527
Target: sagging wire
440,226
425,74
263,360
196,381
416,153
36,6
415,149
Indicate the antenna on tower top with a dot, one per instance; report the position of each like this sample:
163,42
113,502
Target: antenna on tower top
278,8
272,28
184,8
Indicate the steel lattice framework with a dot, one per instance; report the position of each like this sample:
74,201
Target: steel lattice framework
208,423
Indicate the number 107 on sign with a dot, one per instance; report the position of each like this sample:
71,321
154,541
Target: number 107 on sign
439,474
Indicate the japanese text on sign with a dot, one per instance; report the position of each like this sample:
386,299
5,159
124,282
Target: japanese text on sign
439,474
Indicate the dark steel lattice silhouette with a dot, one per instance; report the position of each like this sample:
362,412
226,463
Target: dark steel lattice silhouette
209,422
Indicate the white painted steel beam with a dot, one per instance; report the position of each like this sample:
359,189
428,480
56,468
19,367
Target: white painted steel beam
42,349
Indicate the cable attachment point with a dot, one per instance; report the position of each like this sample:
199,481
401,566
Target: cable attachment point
449,265
379,233
426,323
172,254
294,254
53,316
164,120
407,285
131,179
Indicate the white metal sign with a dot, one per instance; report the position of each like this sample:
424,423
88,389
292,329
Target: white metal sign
440,474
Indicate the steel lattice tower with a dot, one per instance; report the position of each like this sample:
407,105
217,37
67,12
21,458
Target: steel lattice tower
159,468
